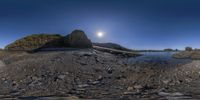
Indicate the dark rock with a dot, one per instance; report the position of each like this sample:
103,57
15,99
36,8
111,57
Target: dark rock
77,39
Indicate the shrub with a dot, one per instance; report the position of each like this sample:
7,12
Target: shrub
188,48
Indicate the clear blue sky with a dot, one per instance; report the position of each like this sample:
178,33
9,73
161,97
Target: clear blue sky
139,24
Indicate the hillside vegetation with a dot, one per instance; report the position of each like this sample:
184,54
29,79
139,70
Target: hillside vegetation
35,41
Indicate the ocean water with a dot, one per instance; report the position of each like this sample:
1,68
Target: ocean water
157,58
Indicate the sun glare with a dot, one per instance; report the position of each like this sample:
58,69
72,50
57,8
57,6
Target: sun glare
100,34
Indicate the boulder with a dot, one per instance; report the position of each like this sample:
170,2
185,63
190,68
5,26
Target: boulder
77,39
36,41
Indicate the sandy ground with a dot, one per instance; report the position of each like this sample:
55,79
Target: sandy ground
91,74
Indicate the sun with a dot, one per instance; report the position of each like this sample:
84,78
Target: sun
100,34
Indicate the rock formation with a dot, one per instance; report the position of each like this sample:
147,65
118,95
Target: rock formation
77,39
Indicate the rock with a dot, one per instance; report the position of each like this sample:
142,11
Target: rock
170,94
95,82
61,77
120,77
77,39
129,93
14,93
109,70
138,87
3,79
100,78
83,85
130,88
166,81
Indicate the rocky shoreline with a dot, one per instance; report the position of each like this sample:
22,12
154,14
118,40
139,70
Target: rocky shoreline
195,55
93,74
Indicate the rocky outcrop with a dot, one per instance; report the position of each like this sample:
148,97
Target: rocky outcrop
36,41
77,39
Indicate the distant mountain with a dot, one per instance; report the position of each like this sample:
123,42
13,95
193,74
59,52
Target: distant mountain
112,45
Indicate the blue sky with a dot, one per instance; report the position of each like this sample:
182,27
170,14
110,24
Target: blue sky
136,24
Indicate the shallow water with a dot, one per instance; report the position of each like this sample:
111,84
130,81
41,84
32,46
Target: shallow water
157,57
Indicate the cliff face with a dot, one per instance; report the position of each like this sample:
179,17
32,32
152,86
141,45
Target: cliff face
77,39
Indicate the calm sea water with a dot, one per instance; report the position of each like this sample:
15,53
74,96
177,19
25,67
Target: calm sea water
157,57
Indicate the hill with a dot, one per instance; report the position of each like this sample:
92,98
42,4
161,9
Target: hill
35,41
77,39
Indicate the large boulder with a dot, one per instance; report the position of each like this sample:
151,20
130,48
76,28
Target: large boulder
36,41
77,39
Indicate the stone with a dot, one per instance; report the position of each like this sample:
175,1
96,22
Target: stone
166,81
129,93
138,87
130,88
61,77
170,94
83,85
95,82
100,78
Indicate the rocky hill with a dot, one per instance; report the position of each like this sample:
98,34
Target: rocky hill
35,41
76,39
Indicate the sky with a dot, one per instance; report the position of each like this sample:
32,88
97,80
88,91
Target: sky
135,24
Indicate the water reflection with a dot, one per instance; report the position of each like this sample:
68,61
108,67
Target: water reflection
158,58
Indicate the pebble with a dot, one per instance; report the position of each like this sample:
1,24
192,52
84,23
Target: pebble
166,81
100,78
130,88
129,93
61,77
138,87
95,82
